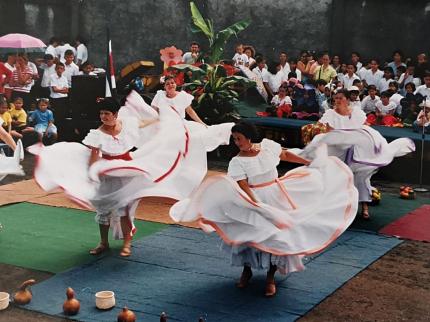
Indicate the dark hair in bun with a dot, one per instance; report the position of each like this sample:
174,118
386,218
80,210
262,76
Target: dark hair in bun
248,130
108,104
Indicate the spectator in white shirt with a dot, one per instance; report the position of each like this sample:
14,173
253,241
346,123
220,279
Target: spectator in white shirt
71,69
355,59
48,68
59,92
424,90
395,97
384,106
87,69
350,76
408,77
191,56
283,64
368,104
81,51
51,49
240,59
354,97
385,80
261,72
250,52
61,51
373,75
294,69
397,61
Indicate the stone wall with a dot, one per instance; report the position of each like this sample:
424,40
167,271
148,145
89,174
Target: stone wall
139,28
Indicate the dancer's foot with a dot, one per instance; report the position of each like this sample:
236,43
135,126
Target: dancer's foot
270,288
101,248
244,278
126,248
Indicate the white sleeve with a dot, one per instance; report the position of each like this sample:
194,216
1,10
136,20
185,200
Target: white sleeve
235,170
265,76
1,121
272,146
92,139
327,118
157,98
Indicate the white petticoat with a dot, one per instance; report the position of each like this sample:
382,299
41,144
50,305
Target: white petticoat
11,165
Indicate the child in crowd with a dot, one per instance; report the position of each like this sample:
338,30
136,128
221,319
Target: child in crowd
423,119
395,96
43,120
7,119
87,69
320,95
410,88
386,79
410,109
19,116
70,68
59,92
373,75
350,75
354,97
240,59
282,102
294,69
368,105
408,77
250,52
384,113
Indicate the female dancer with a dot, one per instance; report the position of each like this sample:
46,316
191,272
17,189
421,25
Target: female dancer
364,149
268,222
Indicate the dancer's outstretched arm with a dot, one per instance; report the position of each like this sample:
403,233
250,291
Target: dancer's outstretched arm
243,184
94,156
7,138
191,113
291,157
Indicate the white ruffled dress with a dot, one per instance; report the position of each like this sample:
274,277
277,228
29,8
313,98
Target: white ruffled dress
298,214
169,162
364,149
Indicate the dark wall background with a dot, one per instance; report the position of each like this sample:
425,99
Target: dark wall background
139,28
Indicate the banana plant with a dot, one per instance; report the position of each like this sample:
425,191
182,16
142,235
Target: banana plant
217,41
215,91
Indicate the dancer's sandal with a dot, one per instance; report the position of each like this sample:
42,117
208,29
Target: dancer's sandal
244,279
365,215
101,248
270,289
125,251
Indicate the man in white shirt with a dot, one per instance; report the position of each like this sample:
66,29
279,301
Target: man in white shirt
294,69
261,72
59,96
61,51
51,49
48,70
350,76
384,82
81,51
71,69
424,90
355,59
284,65
191,56
372,75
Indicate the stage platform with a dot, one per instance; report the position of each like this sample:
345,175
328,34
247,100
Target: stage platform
404,169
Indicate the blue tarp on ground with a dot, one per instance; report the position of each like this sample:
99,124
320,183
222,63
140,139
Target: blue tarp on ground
181,271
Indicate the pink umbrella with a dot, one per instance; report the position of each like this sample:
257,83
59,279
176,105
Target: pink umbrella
21,42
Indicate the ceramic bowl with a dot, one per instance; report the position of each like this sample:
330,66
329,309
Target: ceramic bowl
4,300
105,300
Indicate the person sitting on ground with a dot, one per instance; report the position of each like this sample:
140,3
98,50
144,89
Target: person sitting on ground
43,120
384,113
368,104
7,119
282,103
19,116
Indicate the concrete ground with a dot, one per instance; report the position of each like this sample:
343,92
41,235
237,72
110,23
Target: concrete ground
394,288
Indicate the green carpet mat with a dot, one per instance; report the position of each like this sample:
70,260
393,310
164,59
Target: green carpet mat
53,239
390,209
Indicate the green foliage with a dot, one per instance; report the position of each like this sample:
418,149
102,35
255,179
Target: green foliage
215,91
217,41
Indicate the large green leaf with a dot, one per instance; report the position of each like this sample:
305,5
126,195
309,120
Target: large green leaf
200,22
217,49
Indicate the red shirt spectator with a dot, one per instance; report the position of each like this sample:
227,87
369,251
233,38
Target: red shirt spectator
5,76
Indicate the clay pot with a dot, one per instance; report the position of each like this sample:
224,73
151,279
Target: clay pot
126,316
71,306
23,296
